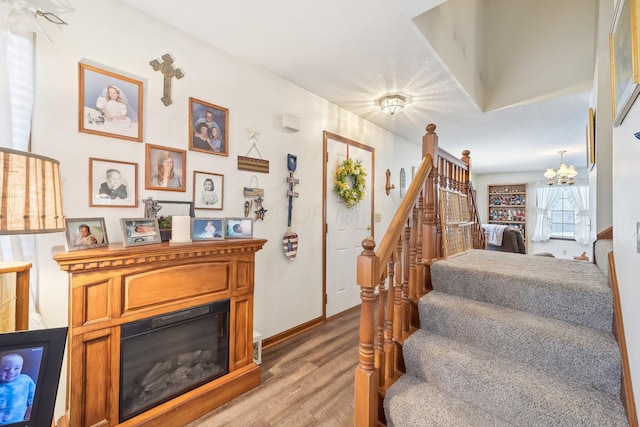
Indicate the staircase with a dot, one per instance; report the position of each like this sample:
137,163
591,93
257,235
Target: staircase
511,339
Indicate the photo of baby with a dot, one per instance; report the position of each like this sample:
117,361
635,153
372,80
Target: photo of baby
85,233
17,388
113,183
207,190
207,228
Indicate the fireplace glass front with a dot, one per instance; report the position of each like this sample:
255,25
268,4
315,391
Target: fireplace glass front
165,356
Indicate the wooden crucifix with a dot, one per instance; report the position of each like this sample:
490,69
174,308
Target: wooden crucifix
169,71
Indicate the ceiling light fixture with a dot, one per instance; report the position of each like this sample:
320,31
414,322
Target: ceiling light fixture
565,174
392,104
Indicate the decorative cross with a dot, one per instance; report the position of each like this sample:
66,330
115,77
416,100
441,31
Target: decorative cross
167,69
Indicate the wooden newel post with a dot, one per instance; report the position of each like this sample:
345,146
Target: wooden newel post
366,380
429,229
466,159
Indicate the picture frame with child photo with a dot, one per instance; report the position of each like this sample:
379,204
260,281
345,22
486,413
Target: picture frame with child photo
208,190
207,228
85,233
113,183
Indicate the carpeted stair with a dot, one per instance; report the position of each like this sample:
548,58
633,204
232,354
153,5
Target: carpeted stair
511,339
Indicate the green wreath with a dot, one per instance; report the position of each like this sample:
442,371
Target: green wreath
349,182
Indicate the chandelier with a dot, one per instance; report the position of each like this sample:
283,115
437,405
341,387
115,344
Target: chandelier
564,175
392,104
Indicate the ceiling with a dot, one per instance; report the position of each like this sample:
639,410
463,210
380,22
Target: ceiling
507,79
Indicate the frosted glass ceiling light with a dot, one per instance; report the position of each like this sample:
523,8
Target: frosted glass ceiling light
392,104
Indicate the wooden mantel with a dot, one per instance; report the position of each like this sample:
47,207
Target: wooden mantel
109,287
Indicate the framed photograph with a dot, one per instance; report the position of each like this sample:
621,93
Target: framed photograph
165,168
113,183
625,66
208,190
207,228
208,128
591,140
140,231
175,207
85,233
238,228
110,104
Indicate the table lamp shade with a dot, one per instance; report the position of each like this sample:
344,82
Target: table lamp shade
31,190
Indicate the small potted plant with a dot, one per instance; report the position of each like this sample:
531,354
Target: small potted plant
164,222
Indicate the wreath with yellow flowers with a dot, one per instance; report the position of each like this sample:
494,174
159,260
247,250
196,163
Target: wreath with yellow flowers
349,182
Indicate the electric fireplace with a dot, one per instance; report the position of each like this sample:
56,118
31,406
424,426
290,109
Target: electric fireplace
159,334
168,355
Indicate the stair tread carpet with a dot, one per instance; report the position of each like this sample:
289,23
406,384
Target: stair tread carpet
511,391
413,402
573,291
588,356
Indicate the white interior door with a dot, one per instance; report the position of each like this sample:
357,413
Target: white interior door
346,228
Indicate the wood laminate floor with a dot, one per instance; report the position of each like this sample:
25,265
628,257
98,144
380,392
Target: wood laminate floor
305,381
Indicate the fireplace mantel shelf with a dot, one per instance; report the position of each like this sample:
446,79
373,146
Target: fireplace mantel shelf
117,255
110,287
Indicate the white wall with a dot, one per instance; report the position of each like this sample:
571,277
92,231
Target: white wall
287,293
559,248
626,247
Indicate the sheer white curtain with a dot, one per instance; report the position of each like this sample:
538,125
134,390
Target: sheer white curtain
545,196
16,104
579,195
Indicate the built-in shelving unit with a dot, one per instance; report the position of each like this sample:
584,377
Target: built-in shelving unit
508,206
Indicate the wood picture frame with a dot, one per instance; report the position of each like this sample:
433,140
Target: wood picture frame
157,160
139,231
624,42
85,233
207,229
215,138
113,183
238,228
109,104
208,190
591,139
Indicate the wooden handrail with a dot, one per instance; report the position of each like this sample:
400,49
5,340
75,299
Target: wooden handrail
390,239
395,275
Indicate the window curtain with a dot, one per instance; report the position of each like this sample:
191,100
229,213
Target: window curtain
545,196
16,104
579,195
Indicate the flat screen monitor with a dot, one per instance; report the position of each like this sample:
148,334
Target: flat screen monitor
30,364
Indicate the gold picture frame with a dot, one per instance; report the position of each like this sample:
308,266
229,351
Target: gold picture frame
624,43
591,139
109,104
157,159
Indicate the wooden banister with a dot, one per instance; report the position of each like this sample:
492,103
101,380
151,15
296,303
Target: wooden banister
394,275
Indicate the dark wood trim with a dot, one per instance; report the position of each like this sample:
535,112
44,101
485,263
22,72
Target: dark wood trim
607,233
626,387
290,333
295,331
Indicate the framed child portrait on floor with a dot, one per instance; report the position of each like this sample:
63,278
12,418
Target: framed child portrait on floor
208,190
208,128
113,183
110,104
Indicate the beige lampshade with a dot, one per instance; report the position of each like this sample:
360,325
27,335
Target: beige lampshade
31,190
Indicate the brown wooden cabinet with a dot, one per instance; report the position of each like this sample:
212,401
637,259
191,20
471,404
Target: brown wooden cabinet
508,206
110,287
